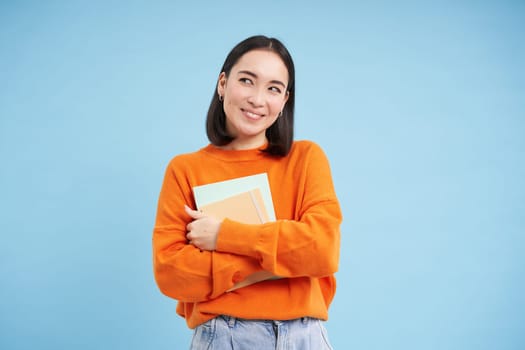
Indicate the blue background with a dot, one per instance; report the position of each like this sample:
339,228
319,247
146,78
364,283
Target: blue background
419,106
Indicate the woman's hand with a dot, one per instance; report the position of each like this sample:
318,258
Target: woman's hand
203,230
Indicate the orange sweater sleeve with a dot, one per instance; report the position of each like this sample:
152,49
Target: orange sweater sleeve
181,270
309,244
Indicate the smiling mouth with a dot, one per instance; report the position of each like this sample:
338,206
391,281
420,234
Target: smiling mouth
252,115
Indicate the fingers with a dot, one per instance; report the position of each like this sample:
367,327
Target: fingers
195,214
202,230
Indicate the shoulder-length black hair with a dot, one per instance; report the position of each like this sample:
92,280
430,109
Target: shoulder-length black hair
280,134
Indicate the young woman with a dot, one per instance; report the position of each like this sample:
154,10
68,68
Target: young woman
200,260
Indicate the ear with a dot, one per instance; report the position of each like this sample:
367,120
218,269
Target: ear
221,84
285,99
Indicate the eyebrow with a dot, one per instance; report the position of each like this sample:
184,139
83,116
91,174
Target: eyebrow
252,74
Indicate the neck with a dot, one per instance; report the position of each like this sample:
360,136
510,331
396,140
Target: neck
241,145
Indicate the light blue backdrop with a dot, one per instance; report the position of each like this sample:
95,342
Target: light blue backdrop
420,107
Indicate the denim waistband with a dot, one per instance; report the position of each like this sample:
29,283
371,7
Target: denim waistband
231,320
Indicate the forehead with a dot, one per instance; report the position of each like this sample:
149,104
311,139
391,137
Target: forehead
265,64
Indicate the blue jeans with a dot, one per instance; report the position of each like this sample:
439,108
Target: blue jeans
226,332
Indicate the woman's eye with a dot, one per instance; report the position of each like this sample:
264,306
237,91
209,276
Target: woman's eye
275,89
245,81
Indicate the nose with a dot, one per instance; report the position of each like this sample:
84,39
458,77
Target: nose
256,99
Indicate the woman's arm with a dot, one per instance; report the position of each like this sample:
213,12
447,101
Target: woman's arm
183,271
288,248
306,245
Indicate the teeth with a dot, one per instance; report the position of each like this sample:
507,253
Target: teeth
253,115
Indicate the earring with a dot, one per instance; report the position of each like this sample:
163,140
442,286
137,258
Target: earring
220,98
280,114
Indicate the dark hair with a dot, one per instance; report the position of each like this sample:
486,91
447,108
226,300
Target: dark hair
280,134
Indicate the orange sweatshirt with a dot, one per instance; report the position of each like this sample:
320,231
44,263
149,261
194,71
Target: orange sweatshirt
302,245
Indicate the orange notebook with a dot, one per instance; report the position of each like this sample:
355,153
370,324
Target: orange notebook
246,207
